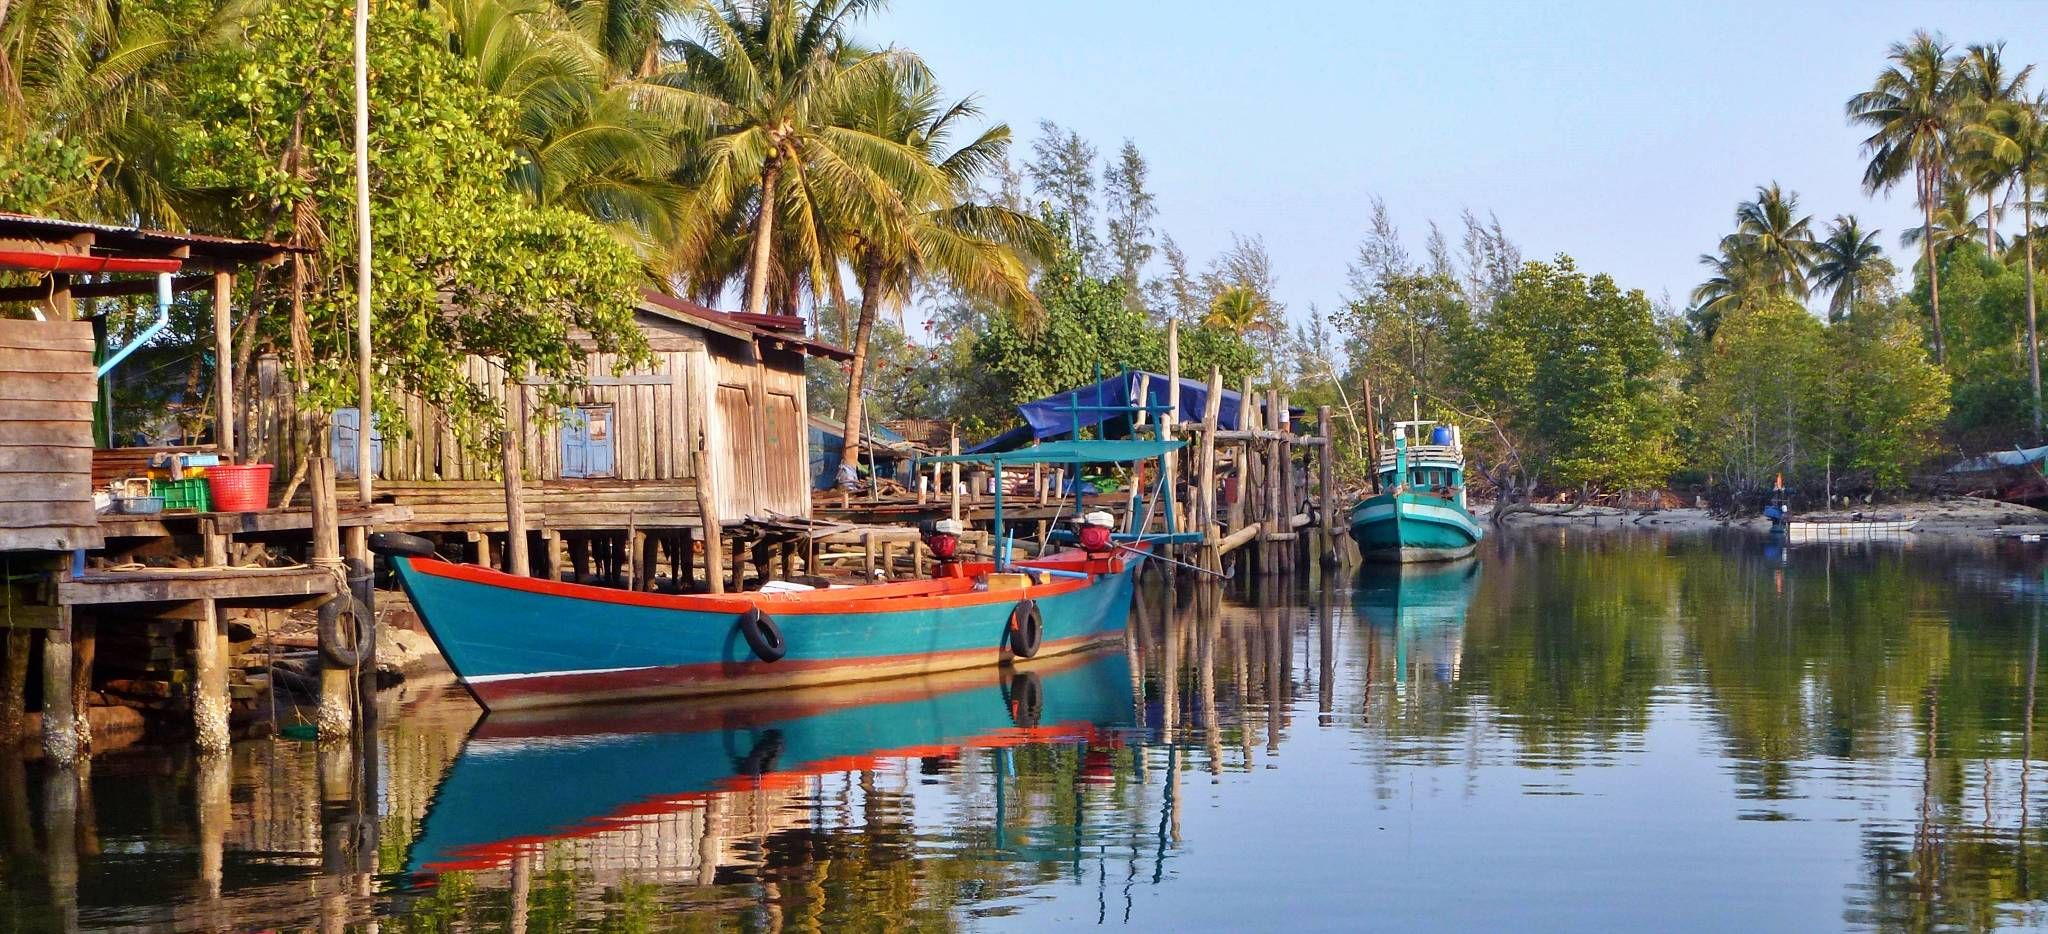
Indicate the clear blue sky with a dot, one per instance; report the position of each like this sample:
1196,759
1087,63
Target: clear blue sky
1622,133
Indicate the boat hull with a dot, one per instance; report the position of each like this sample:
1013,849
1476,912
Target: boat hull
1412,527
520,642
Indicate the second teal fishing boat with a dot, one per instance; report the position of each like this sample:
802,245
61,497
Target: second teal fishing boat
1420,513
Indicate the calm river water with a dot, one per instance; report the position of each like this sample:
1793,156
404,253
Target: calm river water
1576,731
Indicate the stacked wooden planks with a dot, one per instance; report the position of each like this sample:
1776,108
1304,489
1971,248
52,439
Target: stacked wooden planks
47,393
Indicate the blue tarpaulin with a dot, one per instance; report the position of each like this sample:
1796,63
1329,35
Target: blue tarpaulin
1057,415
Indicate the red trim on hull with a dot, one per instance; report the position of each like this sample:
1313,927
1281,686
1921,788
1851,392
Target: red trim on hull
868,598
735,677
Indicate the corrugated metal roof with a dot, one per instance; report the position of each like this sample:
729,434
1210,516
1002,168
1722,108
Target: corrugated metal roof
113,238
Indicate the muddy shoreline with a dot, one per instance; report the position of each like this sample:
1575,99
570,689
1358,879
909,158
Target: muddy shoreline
1950,515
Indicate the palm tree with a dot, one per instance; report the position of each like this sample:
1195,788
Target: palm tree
1841,260
1239,309
95,74
599,145
1982,85
1910,110
942,232
1952,222
1738,280
2014,134
778,77
1777,239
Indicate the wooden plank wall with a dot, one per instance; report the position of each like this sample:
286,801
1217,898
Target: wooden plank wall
46,397
649,405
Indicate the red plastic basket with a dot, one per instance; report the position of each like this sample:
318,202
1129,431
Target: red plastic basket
239,488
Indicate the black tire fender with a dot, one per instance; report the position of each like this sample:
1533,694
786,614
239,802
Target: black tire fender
762,635
344,625
1027,628
392,544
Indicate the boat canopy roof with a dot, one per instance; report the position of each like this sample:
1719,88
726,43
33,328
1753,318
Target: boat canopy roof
1068,452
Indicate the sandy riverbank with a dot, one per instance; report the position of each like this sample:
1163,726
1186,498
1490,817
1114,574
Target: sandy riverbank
1948,515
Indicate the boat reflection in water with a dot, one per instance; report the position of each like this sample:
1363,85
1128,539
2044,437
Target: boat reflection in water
668,791
1423,607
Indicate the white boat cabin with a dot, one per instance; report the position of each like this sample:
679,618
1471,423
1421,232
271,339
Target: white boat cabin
1431,456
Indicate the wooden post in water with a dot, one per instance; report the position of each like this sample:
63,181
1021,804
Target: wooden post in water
84,643
1240,460
60,734
516,559
14,689
336,685
210,700
1327,496
1171,462
1205,485
1283,482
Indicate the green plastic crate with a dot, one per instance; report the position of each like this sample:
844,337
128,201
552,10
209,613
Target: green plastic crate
189,494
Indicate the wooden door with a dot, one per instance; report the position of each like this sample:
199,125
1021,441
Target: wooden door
737,455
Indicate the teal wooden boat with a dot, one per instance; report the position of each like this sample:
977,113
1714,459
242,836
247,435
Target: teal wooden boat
1420,513
520,642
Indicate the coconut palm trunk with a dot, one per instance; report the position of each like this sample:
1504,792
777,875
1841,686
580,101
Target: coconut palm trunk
2033,336
1927,187
764,230
856,378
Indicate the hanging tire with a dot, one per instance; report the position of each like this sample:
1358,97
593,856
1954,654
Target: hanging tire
1027,699
344,625
1027,627
762,635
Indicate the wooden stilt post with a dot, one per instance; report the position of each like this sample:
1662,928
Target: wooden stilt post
14,690
337,687
707,511
60,734
1327,495
686,567
553,555
1283,481
210,677
84,645
516,559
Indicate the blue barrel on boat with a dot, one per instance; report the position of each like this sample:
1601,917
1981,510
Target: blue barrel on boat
1442,435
